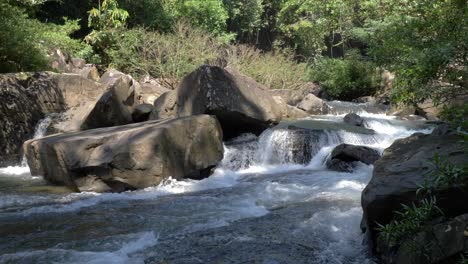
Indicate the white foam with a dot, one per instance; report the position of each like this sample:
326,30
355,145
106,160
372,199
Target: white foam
15,170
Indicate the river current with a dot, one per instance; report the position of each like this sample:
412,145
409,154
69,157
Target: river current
259,206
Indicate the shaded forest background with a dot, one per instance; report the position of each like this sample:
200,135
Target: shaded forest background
344,45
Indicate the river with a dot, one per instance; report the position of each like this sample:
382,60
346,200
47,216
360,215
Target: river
260,206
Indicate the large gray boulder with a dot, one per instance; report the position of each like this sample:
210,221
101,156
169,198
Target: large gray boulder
240,104
400,172
27,97
116,104
344,156
128,157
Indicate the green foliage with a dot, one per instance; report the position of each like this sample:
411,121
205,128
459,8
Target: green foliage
457,116
410,221
18,51
105,22
276,69
25,42
209,15
245,17
173,55
424,43
446,175
107,16
346,78
158,15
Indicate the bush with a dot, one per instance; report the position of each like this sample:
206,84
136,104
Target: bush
347,78
276,69
409,222
24,42
171,56
18,51
457,116
168,56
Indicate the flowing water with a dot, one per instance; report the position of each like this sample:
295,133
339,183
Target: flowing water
271,200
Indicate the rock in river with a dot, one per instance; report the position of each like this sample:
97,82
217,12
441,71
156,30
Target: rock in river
240,104
130,156
344,155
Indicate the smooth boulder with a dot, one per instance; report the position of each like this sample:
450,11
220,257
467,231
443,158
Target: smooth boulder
400,172
116,104
128,157
344,156
240,104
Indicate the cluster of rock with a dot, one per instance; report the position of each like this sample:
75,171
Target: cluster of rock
402,170
118,134
28,97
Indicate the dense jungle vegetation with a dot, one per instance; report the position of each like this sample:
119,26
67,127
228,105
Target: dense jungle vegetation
343,44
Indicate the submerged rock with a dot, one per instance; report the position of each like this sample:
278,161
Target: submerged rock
353,119
128,157
344,155
240,104
403,168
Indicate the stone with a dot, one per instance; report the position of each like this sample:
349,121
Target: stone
344,156
142,112
116,104
127,157
28,97
240,104
150,92
89,71
296,113
353,119
312,105
288,111
400,172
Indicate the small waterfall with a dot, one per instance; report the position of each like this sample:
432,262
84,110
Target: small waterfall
288,146
39,132
308,146
342,108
